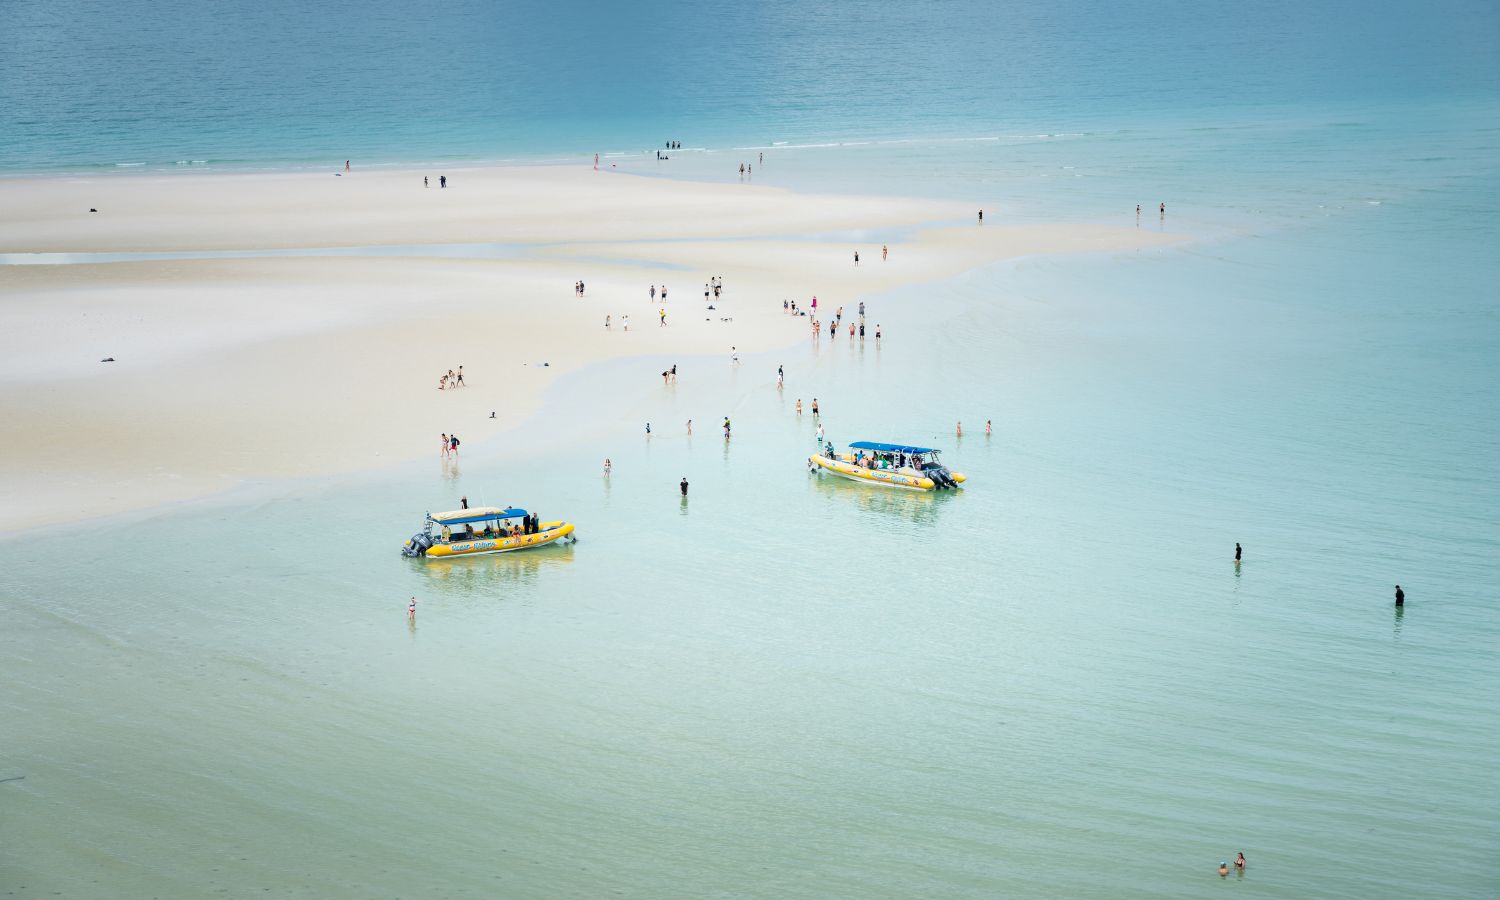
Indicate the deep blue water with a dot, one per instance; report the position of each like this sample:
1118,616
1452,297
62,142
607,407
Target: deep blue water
287,83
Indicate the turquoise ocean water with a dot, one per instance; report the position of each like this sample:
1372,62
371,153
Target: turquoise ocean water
1055,683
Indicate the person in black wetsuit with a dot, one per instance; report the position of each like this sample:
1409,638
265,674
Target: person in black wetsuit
1400,596
684,485
1236,551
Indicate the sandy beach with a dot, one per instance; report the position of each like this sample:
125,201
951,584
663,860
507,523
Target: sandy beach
228,370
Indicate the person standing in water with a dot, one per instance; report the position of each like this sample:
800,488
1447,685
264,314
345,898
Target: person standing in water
1239,861
981,217
883,251
799,406
690,426
608,466
726,428
411,609
648,429
1400,596
988,428
958,430
1237,551
815,407
684,485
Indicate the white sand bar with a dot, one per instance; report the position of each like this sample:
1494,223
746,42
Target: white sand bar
230,370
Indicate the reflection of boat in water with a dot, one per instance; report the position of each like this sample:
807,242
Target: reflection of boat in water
488,575
485,529
892,465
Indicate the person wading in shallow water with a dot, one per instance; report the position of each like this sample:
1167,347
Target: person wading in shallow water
684,485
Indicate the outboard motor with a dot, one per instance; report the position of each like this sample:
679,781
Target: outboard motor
940,476
419,544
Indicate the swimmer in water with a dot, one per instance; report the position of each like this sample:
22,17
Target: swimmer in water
988,428
1223,869
1239,861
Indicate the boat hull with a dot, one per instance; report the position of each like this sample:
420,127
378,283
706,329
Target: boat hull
550,532
883,477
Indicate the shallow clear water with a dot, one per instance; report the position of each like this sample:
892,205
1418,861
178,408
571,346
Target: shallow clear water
1054,683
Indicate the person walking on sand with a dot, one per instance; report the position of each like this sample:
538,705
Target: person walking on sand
884,250
424,182
606,321
445,446
663,313
346,165
442,181
856,257
653,293
460,376
664,293
981,217
625,321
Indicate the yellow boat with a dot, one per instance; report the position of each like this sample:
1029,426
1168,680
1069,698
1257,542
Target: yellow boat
484,529
893,465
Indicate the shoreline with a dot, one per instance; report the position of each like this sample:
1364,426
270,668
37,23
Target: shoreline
231,371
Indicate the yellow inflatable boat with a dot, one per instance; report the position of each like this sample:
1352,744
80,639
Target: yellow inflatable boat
893,465
484,529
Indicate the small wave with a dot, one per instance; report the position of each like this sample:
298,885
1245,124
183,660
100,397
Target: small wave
128,165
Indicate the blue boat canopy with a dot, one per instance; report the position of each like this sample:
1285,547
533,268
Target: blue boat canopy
889,448
470,516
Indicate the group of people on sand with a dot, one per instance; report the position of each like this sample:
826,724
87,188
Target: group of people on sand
442,181
790,307
885,252
452,379
578,288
